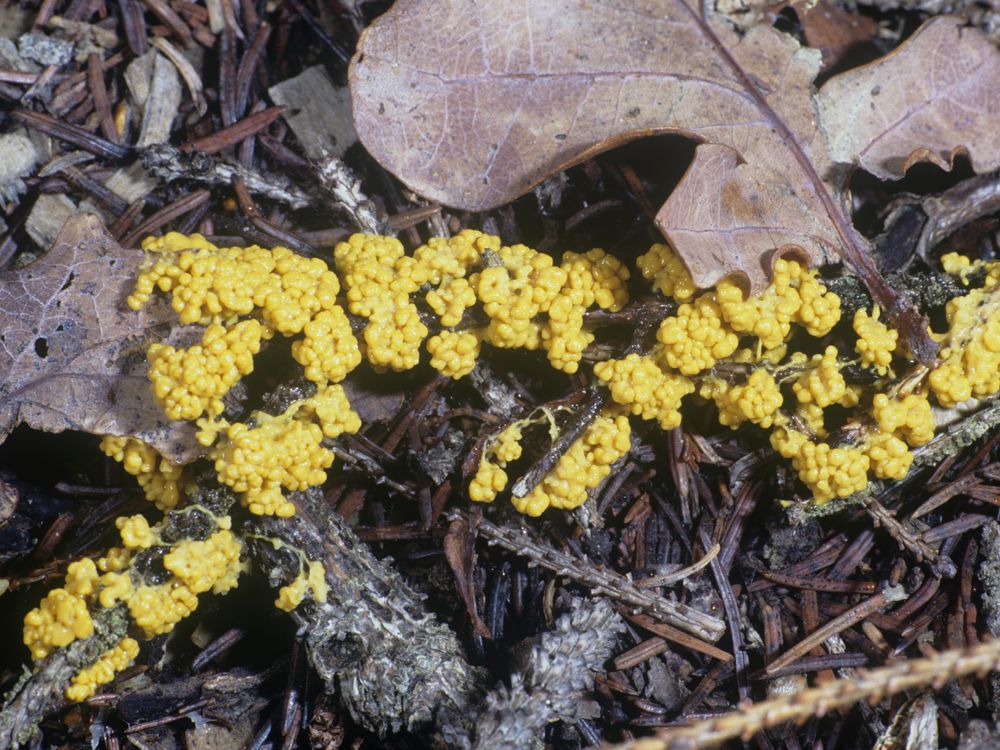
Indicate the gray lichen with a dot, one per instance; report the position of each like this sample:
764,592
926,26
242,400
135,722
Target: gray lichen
395,666
559,670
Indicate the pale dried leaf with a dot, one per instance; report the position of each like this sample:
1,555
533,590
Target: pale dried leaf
472,104
525,92
933,97
71,352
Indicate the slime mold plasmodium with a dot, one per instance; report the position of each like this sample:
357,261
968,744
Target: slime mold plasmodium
776,363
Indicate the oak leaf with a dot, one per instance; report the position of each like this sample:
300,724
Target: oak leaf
72,355
471,104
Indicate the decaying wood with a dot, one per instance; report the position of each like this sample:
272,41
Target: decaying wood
39,693
394,665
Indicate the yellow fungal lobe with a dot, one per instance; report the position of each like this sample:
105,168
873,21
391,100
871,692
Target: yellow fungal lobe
311,581
282,452
328,350
136,532
696,338
970,351
876,341
758,401
454,353
649,392
582,468
910,418
160,480
209,565
110,663
669,275
829,472
821,383
58,620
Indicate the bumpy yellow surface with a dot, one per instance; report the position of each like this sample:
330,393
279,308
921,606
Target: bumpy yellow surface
208,284
696,338
489,481
330,407
328,351
58,620
454,353
189,382
970,351
135,532
910,417
379,278
795,295
160,480
209,565
451,300
258,461
889,456
583,467
282,452
156,609
640,384
876,342
829,472
110,663
667,272
758,401
490,478
311,581
195,566
821,382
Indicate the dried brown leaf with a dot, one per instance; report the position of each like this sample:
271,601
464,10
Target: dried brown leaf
471,104
71,352
460,551
933,97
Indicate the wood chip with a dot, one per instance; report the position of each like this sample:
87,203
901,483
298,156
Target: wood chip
161,104
318,112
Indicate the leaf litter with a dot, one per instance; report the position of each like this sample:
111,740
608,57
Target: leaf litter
69,361
476,118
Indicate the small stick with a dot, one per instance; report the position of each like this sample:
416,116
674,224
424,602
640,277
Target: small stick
867,685
95,189
251,211
173,21
233,134
599,581
668,578
95,79
72,134
166,215
670,633
127,218
842,622
135,27
579,423
908,539
227,77
249,64
820,584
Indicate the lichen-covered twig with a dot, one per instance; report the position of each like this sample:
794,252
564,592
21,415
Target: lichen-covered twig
393,664
871,685
168,163
597,580
905,535
947,443
38,693
343,186
550,687
581,420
